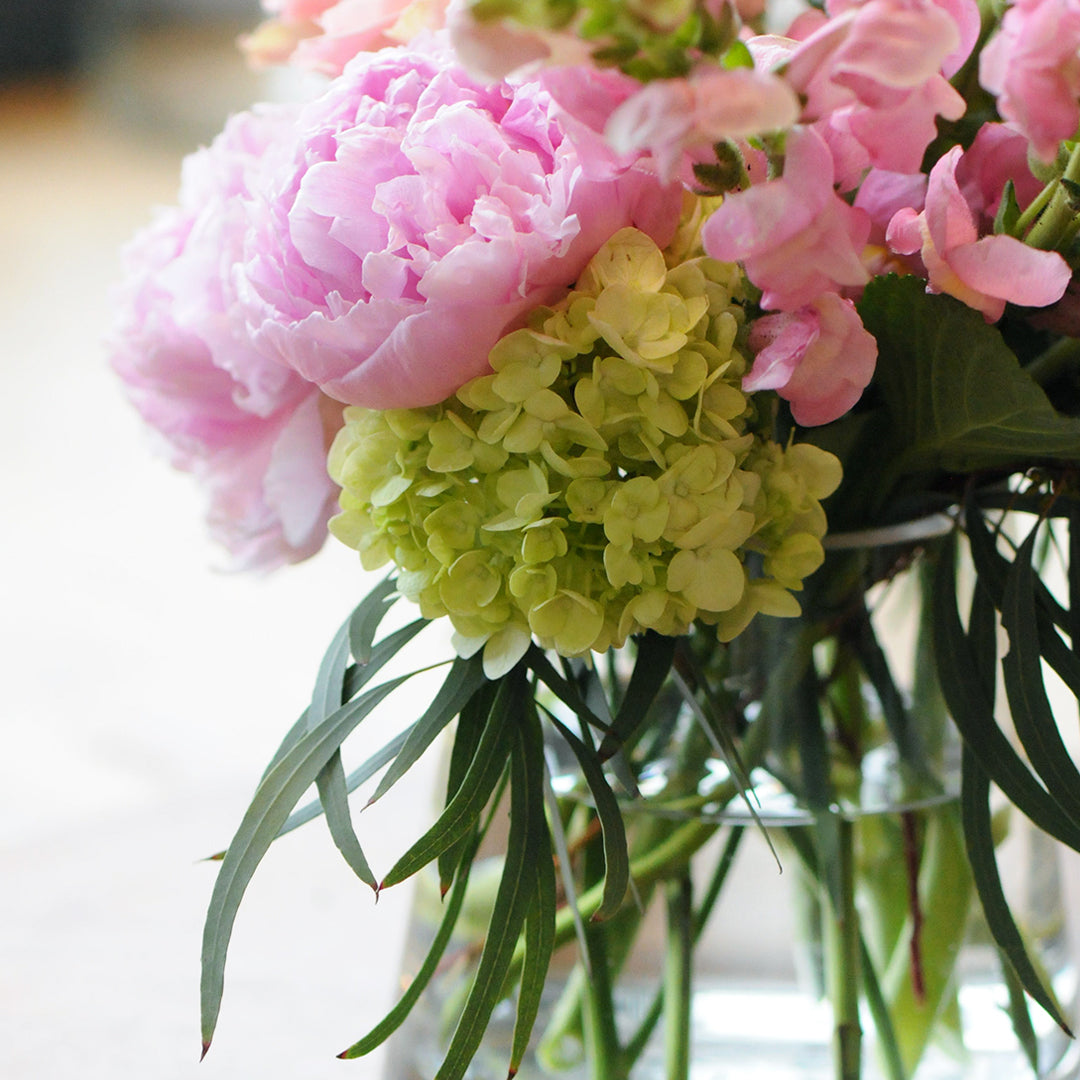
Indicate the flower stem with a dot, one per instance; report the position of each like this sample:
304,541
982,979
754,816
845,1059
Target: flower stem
1049,230
677,977
844,963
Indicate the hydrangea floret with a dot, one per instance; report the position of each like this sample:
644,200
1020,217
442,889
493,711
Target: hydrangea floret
608,477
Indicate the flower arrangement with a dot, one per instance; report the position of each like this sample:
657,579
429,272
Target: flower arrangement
650,345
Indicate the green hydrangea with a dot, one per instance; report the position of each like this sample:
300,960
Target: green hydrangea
608,477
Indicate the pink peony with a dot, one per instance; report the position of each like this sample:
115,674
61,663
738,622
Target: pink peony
248,428
820,358
420,217
795,236
1033,65
325,35
985,272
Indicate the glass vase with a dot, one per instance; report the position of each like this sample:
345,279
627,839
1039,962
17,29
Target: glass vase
760,1002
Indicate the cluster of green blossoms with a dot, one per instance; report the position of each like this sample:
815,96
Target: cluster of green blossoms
609,477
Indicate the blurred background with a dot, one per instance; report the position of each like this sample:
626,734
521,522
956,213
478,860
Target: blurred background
143,691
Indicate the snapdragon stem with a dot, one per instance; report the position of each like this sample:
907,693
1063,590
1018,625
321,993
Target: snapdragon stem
842,936
678,964
1048,232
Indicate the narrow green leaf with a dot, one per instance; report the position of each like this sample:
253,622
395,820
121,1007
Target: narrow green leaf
382,653
396,1016
275,796
994,569
466,806
334,797
891,1059
463,680
361,774
292,737
1028,703
963,682
613,830
539,945
979,841
562,688
330,782
655,653
364,621
330,680
517,887
1019,1013
470,726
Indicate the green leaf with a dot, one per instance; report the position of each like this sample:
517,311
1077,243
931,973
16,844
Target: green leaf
330,782
1028,703
396,1016
470,726
539,945
476,787
978,838
562,688
518,884
655,653
962,673
364,772
616,857
957,398
275,796
994,570
330,680
365,620
382,653
1019,1013
334,797
463,681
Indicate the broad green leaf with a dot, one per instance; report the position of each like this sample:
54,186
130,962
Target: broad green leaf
979,840
275,796
616,858
652,663
476,787
1028,703
364,621
396,1016
963,678
518,885
463,680
957,398
539,945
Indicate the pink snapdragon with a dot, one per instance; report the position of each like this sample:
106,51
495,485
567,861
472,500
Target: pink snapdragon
985,272
871,77
422,215
819,358
252,431
795,236
676,119
1032,64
